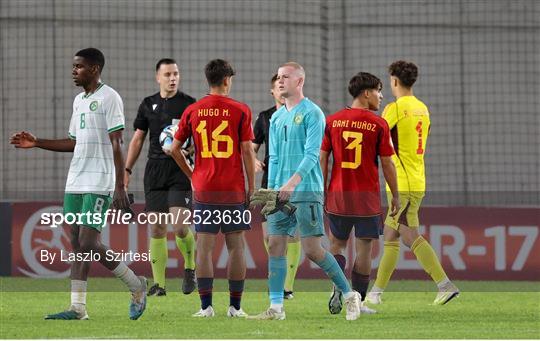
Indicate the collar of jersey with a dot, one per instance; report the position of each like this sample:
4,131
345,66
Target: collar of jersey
169,98
100,85
296,107
217,95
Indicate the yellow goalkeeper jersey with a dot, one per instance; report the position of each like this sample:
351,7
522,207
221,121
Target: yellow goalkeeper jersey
408,120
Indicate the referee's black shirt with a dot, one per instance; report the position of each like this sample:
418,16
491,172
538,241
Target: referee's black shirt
262,133
155,113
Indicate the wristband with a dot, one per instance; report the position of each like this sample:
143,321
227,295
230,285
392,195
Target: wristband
129,171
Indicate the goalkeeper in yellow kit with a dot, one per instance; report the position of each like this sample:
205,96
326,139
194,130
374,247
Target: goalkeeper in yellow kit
408,120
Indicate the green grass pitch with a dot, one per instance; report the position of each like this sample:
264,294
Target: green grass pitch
484,310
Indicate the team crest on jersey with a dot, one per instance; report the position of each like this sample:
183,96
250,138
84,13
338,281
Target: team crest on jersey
298,118
93,105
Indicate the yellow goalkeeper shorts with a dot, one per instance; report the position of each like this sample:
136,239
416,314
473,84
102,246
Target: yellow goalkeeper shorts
408,212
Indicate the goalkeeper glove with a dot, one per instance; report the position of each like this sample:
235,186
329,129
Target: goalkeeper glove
270,199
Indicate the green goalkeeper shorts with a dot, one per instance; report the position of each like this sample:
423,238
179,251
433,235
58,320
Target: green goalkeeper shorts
308,218
87,208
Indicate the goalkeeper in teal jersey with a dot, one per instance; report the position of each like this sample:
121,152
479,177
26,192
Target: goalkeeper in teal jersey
296,133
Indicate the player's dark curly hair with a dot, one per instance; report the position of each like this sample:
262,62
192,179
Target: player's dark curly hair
93,56
363,81
406,72
216,70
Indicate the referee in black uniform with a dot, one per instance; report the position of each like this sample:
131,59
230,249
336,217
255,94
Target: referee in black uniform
262,135
166,188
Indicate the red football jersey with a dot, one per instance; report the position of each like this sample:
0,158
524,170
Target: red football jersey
356,137
218,124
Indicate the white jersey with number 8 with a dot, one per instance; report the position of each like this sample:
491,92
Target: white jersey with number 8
95,115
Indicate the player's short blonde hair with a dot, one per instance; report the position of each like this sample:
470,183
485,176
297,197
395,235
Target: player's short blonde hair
295,66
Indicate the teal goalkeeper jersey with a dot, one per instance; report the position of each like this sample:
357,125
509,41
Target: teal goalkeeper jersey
295,144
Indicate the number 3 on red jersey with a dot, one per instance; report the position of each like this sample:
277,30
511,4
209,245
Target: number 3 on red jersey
355,144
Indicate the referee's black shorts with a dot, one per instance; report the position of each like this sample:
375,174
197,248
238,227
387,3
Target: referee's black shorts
165,186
